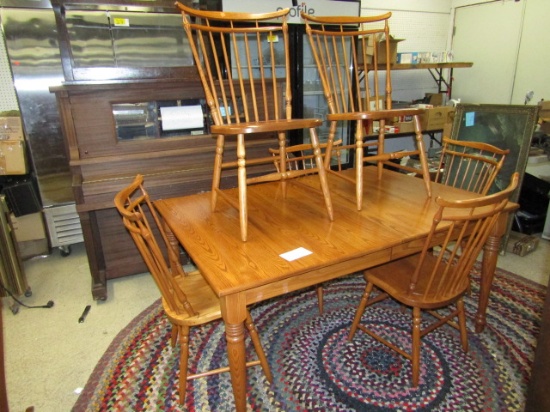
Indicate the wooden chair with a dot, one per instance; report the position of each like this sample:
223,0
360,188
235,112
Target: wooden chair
187,298
471,166
358,90
428,280
243,63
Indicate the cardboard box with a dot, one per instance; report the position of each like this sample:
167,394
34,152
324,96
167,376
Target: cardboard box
32,248
544,116
448,127
11,128
388,128
544,111
381,49
13,158
522,245
406,124
435,99
30,233
436,118
28,227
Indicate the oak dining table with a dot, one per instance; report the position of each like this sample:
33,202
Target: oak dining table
293,245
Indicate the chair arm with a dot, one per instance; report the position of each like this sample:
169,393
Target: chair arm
376,114
265,126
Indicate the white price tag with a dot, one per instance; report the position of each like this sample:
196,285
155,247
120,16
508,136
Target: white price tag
295,254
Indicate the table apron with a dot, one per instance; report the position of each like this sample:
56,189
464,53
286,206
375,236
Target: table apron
317,276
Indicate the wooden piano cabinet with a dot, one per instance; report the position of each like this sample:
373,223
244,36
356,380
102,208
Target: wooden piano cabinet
101,163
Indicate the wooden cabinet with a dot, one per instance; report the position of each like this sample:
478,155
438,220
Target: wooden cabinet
102,163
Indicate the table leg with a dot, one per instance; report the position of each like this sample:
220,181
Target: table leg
234,315
488,267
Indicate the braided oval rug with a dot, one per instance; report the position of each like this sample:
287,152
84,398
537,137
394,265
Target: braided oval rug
315,368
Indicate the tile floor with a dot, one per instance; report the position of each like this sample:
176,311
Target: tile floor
49,355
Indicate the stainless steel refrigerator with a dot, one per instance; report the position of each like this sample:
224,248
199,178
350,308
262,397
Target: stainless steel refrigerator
30,35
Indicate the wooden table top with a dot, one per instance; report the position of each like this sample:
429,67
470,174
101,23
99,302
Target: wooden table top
396,214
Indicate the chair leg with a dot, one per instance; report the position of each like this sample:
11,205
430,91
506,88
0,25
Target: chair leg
360,311
249,324
381,146
183,332
321,171
241,178
423,158
416,320
359,165
174,335
328,152
462,325
218,160
319,290
283,165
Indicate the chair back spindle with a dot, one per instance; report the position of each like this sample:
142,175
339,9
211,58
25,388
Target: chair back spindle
468,165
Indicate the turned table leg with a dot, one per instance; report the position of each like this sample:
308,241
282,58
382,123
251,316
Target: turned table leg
488,267
234,315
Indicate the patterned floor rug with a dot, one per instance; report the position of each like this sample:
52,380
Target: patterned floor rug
315,368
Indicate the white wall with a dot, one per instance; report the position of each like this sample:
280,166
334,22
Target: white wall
531,54
487,34
424,24
533,67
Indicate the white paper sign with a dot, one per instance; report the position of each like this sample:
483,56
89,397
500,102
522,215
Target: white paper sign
295,254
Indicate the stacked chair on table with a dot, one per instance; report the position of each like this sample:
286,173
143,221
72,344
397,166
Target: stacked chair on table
243,63
358,90
187,298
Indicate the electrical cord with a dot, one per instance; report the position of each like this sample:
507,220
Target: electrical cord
47,305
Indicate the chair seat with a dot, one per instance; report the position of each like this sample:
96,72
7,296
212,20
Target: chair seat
265,126
394,278
203,300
